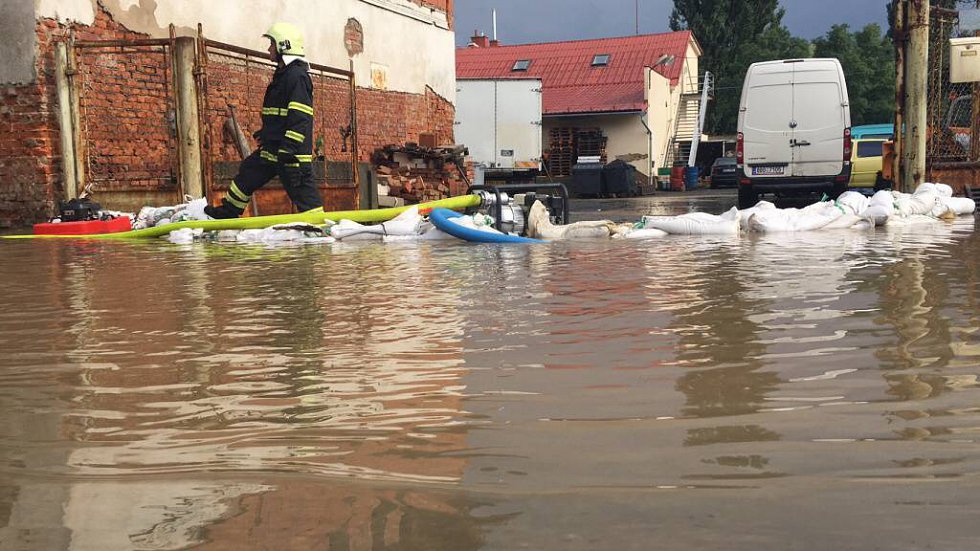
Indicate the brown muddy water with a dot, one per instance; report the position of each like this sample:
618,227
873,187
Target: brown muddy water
808,391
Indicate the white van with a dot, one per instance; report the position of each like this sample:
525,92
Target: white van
794,130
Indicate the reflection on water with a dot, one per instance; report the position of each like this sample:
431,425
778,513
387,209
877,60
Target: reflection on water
443,396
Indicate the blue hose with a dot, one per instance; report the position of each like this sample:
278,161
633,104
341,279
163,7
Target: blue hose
440,218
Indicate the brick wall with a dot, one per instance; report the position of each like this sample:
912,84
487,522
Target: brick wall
127,107
29,150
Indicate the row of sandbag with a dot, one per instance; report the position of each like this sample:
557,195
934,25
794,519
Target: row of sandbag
409,225
929,203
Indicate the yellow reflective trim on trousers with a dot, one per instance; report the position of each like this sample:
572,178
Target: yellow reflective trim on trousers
295,136
292,165
238,193
268,157
300,158
301,107
231,200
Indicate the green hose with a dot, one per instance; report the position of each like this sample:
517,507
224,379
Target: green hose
315,217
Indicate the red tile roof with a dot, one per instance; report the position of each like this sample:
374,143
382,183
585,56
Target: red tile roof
569,81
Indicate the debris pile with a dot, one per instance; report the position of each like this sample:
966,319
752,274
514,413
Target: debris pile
415,173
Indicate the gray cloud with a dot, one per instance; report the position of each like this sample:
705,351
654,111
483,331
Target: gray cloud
529,21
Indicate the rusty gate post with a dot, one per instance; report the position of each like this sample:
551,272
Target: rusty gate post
916,99
188,116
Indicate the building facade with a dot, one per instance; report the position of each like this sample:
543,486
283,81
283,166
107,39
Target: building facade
631,98
118,91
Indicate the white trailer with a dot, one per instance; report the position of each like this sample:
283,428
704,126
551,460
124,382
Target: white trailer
500,122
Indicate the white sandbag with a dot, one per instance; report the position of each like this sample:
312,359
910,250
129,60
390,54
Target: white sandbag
926,187
695,223
813,217
476,221
182,236
641,233
285,233
192,210
408,223
432,233
745,214
853,202
921,202
944,190
348,230
877,215
845,222
959,205
539,226
913,220
228,236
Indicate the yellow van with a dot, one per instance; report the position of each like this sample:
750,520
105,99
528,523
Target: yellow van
866,162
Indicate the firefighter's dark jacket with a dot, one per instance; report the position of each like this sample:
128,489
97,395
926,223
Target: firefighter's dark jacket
287,116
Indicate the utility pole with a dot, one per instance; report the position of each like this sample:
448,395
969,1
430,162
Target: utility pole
916,95
900,36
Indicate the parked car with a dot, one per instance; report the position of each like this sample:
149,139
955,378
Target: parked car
724,172
866,159
885,131
794,129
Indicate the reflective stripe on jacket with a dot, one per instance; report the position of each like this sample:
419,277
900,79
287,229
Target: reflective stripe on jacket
287,115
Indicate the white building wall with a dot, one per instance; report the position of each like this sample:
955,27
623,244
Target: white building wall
625,133
412,43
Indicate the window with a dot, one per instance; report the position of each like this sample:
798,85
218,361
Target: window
869,149
521,65
600,60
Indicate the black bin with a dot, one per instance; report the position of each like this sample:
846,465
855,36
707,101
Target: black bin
619,179
586,180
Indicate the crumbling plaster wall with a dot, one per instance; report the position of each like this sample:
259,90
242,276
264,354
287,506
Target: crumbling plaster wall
415,43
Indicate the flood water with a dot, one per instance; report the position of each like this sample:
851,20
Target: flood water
798,391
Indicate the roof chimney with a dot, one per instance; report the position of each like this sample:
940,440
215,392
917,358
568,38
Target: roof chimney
494,43
479,40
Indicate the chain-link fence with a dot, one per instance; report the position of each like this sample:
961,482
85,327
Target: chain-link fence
950,110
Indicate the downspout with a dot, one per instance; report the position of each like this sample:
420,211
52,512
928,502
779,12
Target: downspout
643,121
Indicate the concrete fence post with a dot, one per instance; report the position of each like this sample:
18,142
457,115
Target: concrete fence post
916,99
188,131
66,120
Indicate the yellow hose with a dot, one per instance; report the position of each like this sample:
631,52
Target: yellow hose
315,217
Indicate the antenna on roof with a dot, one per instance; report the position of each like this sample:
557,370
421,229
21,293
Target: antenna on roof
637,17
495,24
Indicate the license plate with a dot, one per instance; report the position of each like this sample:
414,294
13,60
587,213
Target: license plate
768,170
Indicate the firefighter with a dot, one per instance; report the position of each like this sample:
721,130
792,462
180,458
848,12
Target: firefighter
286,137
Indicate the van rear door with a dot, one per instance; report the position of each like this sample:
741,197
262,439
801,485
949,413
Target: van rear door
818,119
766,129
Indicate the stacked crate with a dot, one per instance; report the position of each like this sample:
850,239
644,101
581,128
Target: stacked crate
562,151
570,143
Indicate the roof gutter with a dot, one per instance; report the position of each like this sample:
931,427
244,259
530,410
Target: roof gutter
591,114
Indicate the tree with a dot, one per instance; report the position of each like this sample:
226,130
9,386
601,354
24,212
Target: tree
734,34
868,59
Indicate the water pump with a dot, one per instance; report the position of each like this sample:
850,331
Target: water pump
509,204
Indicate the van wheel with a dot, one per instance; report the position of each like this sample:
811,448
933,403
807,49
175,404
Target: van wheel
747,197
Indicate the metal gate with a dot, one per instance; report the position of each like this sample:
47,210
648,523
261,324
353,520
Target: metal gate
232,89
148,125
125,130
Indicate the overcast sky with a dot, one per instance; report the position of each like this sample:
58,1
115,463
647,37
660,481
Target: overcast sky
528,21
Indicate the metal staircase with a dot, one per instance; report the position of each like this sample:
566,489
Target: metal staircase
689,123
